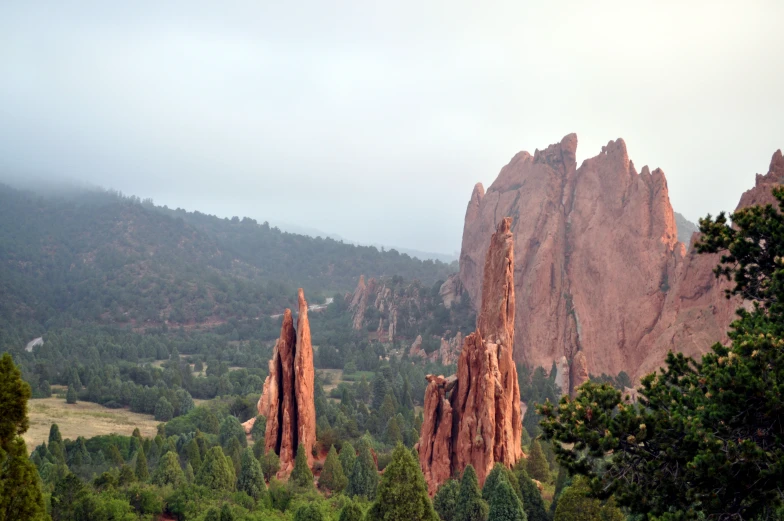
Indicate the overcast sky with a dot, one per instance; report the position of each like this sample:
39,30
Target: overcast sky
373,120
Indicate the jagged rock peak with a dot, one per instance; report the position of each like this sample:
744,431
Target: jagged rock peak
476,418
287,399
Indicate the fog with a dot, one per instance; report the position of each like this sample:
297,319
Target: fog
374,120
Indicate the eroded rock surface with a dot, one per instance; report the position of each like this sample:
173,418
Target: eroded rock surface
598,266
287,400
475,417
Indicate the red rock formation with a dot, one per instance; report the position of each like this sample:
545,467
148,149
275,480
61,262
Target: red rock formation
480,422
287,399
598,267
447,353
451,290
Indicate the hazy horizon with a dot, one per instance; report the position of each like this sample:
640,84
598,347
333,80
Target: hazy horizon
373,123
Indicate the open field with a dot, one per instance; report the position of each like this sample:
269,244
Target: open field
82,419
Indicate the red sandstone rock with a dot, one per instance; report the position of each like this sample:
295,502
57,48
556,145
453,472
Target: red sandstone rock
480,422
287,400
598,268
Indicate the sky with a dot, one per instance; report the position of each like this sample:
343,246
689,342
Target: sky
374,120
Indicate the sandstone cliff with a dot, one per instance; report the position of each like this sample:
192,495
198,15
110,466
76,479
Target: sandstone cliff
598,266
474,417
287,400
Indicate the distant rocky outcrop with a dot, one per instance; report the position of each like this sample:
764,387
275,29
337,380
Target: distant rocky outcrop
474,417
446,354
287,400
686,229
599,269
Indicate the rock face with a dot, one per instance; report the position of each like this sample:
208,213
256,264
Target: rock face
475,417
447,353
685,227
287,400
598,266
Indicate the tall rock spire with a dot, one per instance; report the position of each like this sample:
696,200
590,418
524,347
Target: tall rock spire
474,418
287,400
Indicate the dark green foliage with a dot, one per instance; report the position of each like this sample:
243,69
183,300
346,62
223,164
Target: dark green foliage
217,471
251,479
348,455
402,493
258,430
351,512
230,428
127,475
54,434
332,477
234,453
309,512
533,504
470,505
445,500
575,504
142,474
701,428
498,474
505,504
364,476
226,513
536,464
20,492
163,410
169,471
193,454
301,477
70,396
67,498
270,464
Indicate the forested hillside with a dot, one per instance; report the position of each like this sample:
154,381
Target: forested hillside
102,258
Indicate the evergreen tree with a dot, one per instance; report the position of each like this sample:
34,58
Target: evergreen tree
308,512
70,396
193,454
169,471
301,476
402,493
54,434
270,464
230,428
226,513
505,504
364,476
497,474
259,429
234,453
115,456
189,476
67,497
20,489
470,505
332,477
212,515
445,500
163,410
251,479
142,474
217,471
127,476
393,433
537,466
532,499
351,512
348,455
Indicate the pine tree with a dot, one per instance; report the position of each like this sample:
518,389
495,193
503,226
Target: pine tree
364,476
537,466
70,396
226,513
217,471
270,464
251,479
445,500
258,431
351,512
393,433
193,454
169,471
332,477
505,505
234,452
498,474
402,493
230,428
348,455
301,476
54,434
470,505
142,474
189,476
20,489
127,476
532,499
164,411
115,456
